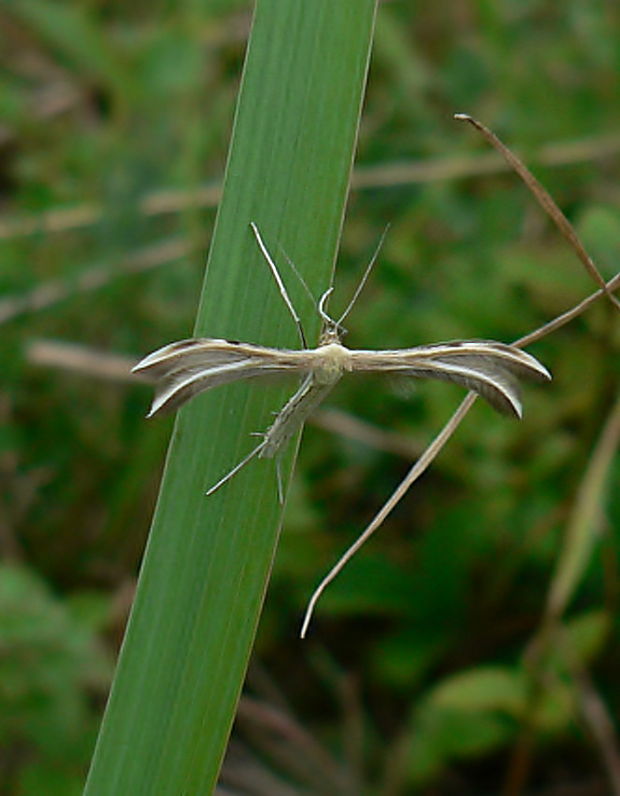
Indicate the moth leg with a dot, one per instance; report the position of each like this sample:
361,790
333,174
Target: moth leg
279,480
251,455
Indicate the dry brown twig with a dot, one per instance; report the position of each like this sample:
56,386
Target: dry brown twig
545,200
92,278
551,640
421,465
383,175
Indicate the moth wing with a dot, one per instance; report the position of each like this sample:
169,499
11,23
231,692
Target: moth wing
188,367
488,368
498,386
488,353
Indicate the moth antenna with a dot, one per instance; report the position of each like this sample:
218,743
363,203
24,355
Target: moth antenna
327,320
279,480
297,273
276,275
364,279
236,469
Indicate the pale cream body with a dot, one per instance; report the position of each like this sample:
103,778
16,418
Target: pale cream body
330,362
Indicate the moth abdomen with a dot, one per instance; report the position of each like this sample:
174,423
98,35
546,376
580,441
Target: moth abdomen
293,415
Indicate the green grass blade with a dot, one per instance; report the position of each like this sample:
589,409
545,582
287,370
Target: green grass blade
208,559
584,525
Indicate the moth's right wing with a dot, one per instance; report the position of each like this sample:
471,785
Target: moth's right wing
188,367
491,369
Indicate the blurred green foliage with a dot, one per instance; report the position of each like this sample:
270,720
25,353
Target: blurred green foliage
53,672
105,105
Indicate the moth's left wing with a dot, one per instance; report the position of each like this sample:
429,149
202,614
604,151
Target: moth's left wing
491,369
188,367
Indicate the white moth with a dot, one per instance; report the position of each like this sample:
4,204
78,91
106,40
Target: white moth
188,367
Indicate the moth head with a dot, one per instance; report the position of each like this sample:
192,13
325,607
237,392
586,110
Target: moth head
332,331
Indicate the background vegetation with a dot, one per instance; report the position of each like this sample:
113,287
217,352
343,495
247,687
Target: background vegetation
429,668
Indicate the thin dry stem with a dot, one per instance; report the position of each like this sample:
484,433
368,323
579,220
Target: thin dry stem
544,199
54,291
575,553
416,471
585,520
84,360
297,746
384,175
554,212
601,726
565,317
435,447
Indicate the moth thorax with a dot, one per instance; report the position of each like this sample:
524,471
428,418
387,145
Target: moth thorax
332,331
331,362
